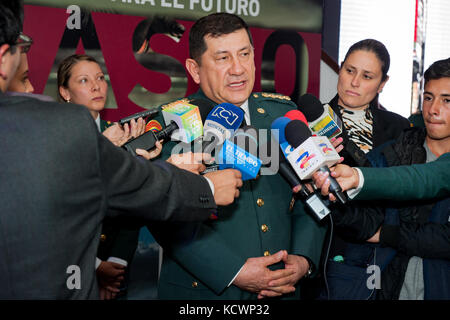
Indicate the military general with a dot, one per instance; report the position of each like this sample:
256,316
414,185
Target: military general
265,242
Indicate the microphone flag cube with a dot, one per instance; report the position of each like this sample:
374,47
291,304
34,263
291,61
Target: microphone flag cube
187,117
232,156
328,125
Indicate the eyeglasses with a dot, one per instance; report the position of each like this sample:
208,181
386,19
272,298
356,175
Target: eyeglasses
24,42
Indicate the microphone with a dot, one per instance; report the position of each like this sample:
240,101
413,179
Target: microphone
204,106
312,154
312,199
147,141
143,114
154,131
296,115
241,153
322,119
186,117
220,124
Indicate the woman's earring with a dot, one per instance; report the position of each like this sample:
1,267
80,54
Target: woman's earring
68,100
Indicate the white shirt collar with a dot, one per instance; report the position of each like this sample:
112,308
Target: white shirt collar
245,108
97,122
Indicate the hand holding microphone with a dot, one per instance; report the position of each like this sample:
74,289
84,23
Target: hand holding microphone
226,185
189,161
312,154
183,123
346,176
119,135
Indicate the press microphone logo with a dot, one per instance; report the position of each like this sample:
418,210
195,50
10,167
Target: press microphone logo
304,159
229,116
325,149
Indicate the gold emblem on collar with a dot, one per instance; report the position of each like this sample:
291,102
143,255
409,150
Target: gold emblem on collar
261,110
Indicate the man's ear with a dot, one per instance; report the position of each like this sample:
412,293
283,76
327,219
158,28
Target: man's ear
64,93
193,69
3,59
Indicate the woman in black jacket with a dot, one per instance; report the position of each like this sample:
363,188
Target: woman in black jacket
366,125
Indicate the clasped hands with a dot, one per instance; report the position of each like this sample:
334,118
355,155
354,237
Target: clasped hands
255,276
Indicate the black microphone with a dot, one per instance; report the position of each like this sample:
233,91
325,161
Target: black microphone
312,154
147,141
143,114
312,199
321,119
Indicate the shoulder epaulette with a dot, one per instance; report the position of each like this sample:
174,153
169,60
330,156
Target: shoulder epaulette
276,96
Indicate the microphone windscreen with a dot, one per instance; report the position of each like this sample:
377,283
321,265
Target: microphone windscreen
296,115
279,125
310,106
296,133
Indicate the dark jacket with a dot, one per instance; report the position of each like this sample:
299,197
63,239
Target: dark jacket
386,126
57,185
416,228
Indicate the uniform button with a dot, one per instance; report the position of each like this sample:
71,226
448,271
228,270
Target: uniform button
194,284
266,253
264,228
261,110
260,202
102,237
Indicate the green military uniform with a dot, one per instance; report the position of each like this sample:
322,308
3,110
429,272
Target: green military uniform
418,181
201,260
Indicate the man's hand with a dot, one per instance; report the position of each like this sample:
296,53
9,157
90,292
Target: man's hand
346,176
109,277
150,154
189,161
299,265
120,135
137,127
108,293
255,276
226,185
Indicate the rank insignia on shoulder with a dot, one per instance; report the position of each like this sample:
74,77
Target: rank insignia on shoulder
275,96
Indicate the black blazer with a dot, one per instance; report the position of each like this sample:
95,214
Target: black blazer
58,178
386,126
